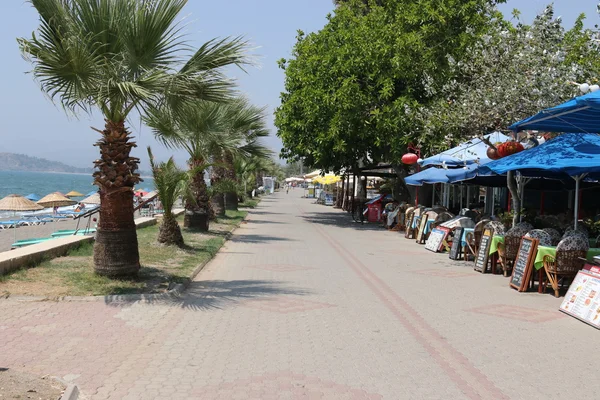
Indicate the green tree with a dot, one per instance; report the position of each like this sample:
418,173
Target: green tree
171,183
118,56
352,89
243,127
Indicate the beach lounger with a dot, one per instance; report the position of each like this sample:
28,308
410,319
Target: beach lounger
27,242
68,232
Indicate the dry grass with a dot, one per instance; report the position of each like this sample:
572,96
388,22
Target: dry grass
162,266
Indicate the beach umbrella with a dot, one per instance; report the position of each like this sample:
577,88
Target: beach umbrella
94,198
55,199
74,193
91,193
150,195
14,202
32,197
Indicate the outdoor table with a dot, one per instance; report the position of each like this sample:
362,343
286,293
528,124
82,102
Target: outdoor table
463,239
415,222
428,226
496,240
551,250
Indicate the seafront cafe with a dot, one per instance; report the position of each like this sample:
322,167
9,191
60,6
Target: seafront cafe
553,244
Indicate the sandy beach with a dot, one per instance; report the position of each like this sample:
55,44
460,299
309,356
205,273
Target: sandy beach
7,236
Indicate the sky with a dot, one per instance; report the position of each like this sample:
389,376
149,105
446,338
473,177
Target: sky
32,125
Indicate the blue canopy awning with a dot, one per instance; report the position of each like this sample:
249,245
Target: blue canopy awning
569,154
33,197
429,175
581,115
466,153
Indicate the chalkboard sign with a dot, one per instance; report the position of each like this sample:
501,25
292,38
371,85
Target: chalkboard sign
523,264
420,235
455,250
484,251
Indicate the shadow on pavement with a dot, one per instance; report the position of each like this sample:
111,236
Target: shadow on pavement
264,213
218,294
260,221
258,239
341,220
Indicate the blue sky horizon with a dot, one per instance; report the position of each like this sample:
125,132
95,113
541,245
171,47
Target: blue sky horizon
36,127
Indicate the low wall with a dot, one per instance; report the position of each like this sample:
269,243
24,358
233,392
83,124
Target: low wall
34,254
30,255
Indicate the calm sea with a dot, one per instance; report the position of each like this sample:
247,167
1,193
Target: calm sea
42,183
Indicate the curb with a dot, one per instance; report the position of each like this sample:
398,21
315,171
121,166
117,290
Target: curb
71,393
176,291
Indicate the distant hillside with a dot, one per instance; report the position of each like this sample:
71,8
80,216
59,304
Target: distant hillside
21,162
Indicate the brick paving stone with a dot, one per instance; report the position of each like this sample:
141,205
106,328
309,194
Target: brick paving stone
305,304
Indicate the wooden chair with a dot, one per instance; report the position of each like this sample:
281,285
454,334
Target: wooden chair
507,253
408,231
478,231
470,249
566,265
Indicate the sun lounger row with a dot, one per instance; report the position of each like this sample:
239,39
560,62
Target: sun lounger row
55,235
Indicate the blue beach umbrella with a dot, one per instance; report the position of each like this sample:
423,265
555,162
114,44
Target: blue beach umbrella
33,197
572,155
466,153
90,193
580,115
429,175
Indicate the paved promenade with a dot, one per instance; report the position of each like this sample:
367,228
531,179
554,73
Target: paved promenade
303,304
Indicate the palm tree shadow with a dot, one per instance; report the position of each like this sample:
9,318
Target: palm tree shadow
218,294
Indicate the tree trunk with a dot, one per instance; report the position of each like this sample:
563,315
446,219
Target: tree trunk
218,205
402,192
116,247
516,196
197,214
231,198
169,232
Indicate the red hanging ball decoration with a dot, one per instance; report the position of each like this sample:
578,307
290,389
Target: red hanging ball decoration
492,153
409,158
508,148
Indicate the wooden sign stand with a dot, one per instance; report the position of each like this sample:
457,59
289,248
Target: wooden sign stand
483,254
523,265
420,235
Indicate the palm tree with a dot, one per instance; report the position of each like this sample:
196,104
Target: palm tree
171,182
194,128
244,125
119,56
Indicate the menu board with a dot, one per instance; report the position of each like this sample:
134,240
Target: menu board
412,227
435,242
582,301
484,252
524,264
421,232
455,250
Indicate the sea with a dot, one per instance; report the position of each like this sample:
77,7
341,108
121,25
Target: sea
43,183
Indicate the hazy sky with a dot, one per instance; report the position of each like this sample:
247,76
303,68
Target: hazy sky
32,125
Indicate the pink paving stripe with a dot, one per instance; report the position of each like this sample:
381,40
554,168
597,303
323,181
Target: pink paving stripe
420,329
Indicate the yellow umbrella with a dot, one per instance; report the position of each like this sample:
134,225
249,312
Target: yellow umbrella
317,179
74,193
331,179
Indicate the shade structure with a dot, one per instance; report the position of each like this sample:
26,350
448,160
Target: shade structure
93,199
74,193
429,175
14,202
33,197
466,153
580,115
312,174
571,154
55,200
91,193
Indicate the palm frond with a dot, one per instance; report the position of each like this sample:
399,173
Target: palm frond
171,182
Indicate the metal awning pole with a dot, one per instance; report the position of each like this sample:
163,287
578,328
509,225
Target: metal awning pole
577,178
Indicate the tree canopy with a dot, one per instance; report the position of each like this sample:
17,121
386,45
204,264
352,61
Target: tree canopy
352,89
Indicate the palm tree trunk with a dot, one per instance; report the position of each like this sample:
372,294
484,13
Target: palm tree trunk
116,246
218,200
169,231
197,214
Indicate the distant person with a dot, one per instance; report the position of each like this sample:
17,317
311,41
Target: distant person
287,189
